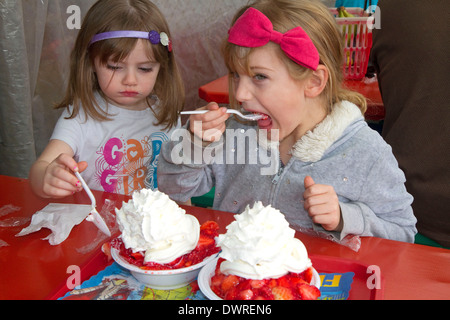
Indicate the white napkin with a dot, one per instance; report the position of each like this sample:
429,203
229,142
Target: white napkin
58,217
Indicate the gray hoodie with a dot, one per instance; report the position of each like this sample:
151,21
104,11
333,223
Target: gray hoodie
341,151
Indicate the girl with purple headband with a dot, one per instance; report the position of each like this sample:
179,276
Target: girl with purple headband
123,100
333,173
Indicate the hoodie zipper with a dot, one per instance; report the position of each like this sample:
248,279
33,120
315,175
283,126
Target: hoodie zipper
277,177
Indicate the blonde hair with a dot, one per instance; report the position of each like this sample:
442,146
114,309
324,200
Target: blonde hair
321,27
113,15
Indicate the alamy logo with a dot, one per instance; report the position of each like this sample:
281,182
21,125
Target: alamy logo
74,19
374,21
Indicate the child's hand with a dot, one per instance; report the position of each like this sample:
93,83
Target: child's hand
59,179
322,204
212,123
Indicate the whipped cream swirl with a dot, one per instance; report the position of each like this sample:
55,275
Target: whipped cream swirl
154,224
259,244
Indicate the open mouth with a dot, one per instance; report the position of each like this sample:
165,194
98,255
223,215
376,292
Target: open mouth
265,122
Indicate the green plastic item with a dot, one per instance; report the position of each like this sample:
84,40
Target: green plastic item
205,201
421,239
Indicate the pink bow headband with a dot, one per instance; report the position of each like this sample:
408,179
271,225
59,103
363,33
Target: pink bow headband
253,29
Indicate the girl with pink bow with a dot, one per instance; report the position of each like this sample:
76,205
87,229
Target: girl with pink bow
334,174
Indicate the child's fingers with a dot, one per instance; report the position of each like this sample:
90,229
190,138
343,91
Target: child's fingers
329,222
60,175
66,160
207,116
324,201
308,182
311,188
65,179
322,204
318,207
210,125
317,190
56,187
212,106
82,165
216,120
324,212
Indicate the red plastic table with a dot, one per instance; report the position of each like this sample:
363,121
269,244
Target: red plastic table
217,91
30,268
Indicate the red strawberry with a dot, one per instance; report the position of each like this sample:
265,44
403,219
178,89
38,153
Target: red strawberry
297,281
266,293
308,292
137,255
177,263
246,295
229,282
257,284
282,293
194,286
204,242
116,243
216,280
308,274
272,283
285,281
209,228
232,294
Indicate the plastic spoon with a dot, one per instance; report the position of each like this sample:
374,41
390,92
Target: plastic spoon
94,216
250,117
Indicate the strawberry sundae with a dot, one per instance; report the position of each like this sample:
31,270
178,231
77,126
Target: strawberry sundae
157,234
262,260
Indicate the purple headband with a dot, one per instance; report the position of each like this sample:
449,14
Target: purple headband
153,36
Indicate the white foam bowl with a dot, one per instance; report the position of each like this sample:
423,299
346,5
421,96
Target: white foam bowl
162,279
207,272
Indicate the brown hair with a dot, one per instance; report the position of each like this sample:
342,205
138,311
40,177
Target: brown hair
321,27
113,15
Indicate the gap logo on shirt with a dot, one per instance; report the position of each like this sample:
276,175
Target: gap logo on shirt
124,166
